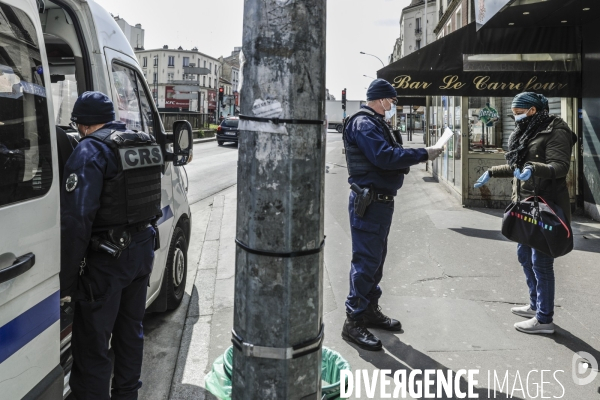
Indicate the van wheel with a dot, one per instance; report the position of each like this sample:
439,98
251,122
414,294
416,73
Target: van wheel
220,142
339,128
176,272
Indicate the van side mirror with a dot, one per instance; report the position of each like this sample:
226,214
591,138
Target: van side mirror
183,143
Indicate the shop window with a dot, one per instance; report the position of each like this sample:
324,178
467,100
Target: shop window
491,122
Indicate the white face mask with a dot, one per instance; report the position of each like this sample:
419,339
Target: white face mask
521,117
389,114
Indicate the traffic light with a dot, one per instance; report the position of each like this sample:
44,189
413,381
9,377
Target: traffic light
344,99
221,91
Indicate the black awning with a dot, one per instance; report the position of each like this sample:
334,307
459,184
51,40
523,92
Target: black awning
412,101
492,62
557,13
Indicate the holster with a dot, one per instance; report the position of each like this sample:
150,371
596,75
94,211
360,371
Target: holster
362,200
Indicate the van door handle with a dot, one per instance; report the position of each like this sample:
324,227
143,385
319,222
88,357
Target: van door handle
20,266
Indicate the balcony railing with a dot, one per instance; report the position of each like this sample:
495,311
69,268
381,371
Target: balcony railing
418,31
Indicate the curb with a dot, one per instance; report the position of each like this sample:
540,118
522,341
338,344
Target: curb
202,140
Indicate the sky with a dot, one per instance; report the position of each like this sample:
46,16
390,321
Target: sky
215,27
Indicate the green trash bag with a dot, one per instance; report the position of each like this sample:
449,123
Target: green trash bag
218,380
331,365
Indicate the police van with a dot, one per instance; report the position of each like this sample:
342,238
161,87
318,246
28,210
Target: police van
50,52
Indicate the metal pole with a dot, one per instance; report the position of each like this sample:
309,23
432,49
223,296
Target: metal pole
280,215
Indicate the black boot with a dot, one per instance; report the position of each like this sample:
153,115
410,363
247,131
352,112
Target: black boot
355,331
374,318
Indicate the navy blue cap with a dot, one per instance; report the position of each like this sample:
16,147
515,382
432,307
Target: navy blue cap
92,108
529,99
381,89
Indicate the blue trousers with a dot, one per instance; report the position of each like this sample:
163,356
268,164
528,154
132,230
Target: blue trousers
369,248
112,301
539,272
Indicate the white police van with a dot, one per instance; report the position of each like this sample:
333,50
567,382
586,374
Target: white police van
50,52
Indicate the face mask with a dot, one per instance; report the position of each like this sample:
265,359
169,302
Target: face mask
389,114
521,117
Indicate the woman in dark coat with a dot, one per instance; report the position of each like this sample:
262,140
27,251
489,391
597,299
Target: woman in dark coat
539,144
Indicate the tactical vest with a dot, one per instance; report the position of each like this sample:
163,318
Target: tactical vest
133,196
358,163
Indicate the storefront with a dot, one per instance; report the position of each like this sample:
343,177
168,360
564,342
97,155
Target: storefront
470,78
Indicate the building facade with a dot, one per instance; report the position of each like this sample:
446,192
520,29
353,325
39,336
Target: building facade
474,72
174,89
134,34
415,30
231,68
453,15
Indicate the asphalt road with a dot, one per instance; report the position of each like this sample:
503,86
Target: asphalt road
213,169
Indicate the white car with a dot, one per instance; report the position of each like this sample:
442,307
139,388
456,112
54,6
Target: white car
50,52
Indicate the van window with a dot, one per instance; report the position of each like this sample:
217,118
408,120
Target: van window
25,152
133,103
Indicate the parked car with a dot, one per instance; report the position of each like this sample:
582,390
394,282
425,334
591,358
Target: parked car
228,130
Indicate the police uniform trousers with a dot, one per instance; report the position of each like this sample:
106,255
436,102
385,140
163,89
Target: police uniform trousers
111,300
369,248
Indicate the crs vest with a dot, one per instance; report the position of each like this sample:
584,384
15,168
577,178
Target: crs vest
133,196
358,163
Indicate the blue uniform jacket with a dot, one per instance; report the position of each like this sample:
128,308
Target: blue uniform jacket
92,162
364,132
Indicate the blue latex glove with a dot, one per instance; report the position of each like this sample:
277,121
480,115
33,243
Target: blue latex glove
483,179
525,175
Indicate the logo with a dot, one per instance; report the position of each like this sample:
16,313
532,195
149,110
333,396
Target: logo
140,157
71,182
585,368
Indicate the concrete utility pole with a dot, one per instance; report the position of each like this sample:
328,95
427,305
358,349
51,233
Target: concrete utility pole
279,260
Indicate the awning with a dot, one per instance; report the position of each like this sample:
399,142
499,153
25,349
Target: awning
536,13
492,62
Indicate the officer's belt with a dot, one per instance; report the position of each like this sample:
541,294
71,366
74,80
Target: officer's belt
383,198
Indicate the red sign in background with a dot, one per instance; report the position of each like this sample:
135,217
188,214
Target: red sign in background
211,95
170,102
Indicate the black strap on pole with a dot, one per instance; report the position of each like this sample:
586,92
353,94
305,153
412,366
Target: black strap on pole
278,121
292,254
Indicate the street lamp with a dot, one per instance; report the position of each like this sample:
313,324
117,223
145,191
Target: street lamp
367,54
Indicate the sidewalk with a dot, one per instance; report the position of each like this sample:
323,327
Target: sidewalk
450,277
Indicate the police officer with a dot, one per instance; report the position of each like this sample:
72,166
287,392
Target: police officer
377,163
110,196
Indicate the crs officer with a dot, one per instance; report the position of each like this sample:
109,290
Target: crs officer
377,163
110,201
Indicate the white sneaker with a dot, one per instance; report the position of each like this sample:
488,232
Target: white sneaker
523,311
533,326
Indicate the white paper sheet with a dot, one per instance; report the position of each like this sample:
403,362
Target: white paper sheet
444,139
